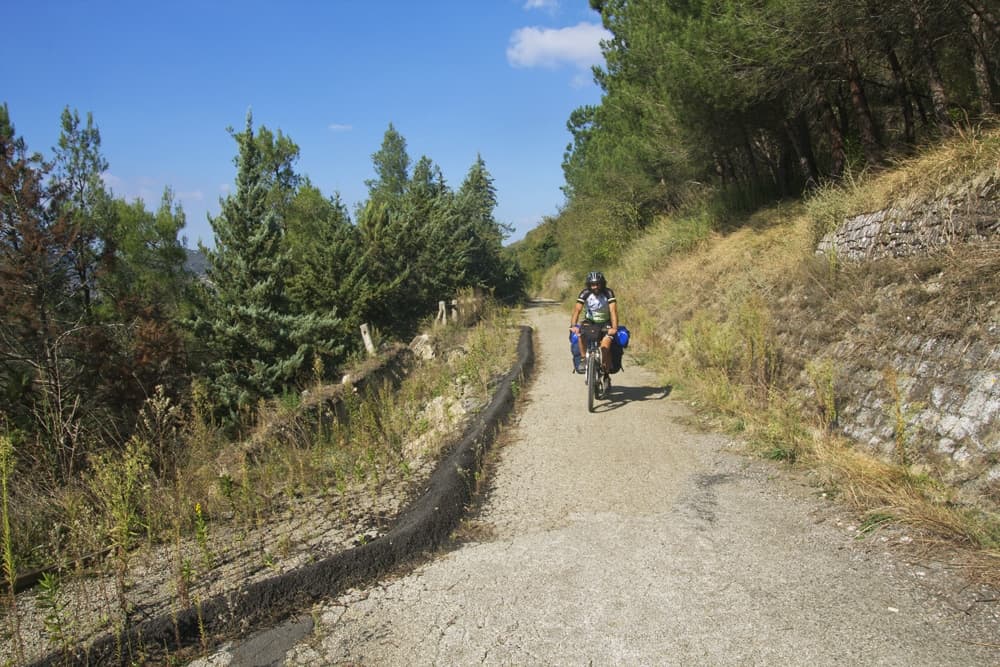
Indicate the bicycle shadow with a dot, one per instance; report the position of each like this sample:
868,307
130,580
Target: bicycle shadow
619,396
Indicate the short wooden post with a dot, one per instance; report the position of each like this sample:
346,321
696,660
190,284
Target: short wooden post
366,336
454,310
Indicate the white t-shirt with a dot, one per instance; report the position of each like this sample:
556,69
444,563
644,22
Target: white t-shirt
597,305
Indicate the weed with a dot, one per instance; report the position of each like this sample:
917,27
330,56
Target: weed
285,545
50,599
120,483
822,374
873,521
201,536
9,563
160,426
202,634
901,414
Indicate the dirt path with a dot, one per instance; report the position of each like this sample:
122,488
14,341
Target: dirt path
623,537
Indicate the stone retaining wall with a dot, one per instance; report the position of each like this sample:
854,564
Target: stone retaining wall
947,393
969,214
947,388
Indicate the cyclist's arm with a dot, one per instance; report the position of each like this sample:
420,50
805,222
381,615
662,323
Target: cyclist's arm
574,320
614,318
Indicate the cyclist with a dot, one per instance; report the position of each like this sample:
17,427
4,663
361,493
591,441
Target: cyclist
597,305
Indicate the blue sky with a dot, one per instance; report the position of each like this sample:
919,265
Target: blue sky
164,80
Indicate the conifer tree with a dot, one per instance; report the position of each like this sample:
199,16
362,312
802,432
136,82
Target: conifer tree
441,262
256,345
78,168
389,260
392,169
476,200
327,271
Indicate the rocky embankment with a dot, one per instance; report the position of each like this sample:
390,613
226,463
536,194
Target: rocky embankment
917,375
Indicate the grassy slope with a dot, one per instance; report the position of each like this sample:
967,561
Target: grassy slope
715,313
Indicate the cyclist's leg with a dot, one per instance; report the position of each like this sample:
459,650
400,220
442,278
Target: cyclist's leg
606,353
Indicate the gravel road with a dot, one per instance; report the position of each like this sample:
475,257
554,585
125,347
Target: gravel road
626,537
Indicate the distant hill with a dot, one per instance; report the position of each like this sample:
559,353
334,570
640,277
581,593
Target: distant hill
196,262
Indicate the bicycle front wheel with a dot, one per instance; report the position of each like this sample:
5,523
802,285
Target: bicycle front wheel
592,380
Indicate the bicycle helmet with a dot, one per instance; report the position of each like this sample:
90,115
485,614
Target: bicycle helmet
596,277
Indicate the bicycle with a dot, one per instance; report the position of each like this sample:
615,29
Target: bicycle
597,380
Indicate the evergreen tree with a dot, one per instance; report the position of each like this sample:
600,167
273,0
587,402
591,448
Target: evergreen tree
327,271
256,345
476,200
147,293
150,252
443,253
278,154
392,165
389,260
78,168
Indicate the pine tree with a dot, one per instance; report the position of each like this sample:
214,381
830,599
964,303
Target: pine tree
78,168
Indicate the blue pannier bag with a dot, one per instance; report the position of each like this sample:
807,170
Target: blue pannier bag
623,336
574,349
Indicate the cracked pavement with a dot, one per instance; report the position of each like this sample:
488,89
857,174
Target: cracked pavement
626,537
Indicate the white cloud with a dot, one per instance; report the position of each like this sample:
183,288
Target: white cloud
550,5
339,127
579,46
110,180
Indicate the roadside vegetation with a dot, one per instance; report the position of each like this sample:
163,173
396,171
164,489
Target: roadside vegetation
342,446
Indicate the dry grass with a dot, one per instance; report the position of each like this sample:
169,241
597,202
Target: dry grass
714,311
972,158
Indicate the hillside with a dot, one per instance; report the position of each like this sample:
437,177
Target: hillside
880,370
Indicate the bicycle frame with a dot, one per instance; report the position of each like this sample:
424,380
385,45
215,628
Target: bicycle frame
595,375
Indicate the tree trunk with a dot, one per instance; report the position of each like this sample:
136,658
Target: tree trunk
783,172
863,112
988,20
751,160
939,97
981,65
838,156
900,87
720,169
798,133
925,119
842,113
902,93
